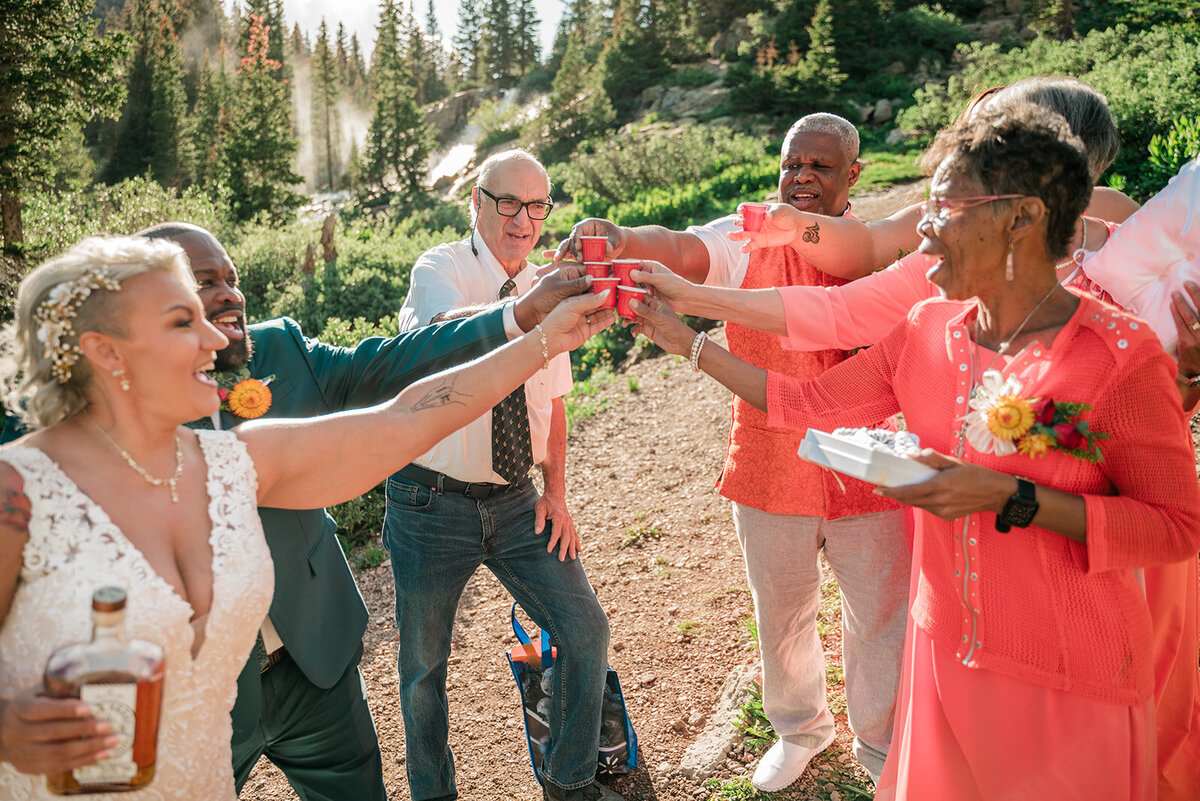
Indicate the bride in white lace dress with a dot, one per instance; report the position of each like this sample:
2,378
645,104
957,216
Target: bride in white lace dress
110,350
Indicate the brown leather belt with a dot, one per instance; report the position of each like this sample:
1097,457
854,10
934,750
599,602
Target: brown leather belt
476,490
272,659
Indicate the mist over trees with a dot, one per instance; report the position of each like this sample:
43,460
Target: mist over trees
256,113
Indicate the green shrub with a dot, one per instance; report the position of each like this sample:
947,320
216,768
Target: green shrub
54,221
1169,152
617,168
689,77
1150,78
498,121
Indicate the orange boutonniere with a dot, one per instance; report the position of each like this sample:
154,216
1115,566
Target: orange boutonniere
244,396
249,398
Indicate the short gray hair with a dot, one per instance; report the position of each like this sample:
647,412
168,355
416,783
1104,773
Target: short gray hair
838,127
32,391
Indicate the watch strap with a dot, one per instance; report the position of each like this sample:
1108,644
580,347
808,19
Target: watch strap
1021,507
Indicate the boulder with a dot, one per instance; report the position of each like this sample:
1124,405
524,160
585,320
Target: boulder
882,111
895,137
681,101
728,41
704,756
448,115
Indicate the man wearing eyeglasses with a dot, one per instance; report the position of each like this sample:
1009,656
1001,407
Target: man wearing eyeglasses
469,501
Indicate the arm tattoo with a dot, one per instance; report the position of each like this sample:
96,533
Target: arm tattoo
442,394
812,234
15,509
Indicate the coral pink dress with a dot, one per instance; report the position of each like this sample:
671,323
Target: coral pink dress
1028,637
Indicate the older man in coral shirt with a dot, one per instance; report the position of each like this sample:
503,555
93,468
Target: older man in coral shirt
785,510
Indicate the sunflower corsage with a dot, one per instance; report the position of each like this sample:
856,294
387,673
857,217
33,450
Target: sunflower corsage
1004,422
244,396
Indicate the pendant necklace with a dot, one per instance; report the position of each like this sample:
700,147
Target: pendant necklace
169,483
973,355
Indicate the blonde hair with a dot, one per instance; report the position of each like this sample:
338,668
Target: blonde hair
32,389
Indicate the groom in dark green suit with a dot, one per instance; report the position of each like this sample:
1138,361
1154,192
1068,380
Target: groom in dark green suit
301,699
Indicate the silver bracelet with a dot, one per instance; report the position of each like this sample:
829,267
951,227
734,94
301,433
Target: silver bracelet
697,346
545,346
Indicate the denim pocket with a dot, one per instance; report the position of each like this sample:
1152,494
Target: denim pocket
404,494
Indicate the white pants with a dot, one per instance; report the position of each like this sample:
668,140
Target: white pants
871,559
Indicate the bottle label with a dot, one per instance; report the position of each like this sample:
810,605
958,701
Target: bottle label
115,703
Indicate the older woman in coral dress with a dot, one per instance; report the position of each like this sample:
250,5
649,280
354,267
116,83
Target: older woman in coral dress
1060,445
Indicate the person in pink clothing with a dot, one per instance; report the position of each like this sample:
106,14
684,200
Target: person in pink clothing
786,512
1029,664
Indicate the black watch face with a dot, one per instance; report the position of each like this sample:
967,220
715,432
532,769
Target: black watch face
1019,512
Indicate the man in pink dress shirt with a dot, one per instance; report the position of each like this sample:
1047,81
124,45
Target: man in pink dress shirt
785,510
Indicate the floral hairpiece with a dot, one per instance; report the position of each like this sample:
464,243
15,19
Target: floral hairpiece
55,330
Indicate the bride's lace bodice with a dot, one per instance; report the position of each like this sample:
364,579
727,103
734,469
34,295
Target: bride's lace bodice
74,548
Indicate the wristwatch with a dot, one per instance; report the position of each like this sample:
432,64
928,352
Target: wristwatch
1020,508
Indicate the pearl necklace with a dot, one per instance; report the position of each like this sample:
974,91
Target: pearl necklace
171,483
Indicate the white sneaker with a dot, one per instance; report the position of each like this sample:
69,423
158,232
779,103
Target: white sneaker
783,764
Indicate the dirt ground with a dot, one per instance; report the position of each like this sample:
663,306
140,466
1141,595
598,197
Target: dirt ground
661,552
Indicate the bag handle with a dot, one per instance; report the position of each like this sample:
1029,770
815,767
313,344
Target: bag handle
523,637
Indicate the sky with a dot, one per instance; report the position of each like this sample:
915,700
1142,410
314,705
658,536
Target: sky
360,16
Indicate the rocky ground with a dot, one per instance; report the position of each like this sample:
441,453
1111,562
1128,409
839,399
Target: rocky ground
662,555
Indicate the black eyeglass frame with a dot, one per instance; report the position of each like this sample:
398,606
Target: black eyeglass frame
525,204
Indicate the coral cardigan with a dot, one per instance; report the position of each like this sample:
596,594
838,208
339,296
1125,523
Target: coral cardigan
1030,603
762,469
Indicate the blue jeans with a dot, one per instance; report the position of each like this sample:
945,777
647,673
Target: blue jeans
436,542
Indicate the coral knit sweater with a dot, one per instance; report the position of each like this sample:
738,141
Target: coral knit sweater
1031,603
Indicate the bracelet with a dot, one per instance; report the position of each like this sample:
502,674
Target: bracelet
545,346
697,346
1188,380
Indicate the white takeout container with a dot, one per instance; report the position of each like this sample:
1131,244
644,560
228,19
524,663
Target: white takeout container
859,461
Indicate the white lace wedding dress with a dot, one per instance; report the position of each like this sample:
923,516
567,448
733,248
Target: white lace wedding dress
74,548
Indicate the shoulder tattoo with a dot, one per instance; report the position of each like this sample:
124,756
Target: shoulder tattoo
15,509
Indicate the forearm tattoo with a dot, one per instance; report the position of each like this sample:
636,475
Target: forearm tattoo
812,234
442,394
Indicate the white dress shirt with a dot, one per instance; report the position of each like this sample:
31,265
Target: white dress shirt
449,277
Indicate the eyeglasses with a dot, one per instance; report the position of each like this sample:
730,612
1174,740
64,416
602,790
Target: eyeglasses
511,207
938,209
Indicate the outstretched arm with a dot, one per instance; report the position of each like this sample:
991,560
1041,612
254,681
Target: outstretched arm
308,463
686,254
761,309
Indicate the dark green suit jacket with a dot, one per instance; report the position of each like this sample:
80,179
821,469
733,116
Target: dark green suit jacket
317,609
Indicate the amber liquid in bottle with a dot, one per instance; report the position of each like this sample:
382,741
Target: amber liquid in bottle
121,679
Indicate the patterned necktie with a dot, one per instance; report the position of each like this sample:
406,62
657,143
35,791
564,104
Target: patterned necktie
512,450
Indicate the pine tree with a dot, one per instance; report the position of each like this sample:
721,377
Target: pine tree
260,146
634,58
526,47
399,141
434,79
821,63
57,73
326,127
210,123
496,43
467,39
342,54
357,82
578,107
151,130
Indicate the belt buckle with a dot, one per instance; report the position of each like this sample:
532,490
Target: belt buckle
477,492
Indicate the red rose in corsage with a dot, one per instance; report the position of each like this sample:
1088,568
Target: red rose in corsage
1004,422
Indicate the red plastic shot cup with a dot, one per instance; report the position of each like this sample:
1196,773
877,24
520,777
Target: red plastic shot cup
601,284
623,267
598,269
626,294
593,247
752,215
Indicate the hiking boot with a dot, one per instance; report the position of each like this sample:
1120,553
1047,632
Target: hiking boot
590,792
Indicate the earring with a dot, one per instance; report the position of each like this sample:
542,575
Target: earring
1008,267
122,379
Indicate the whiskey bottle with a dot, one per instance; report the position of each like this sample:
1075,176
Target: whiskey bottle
121,679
